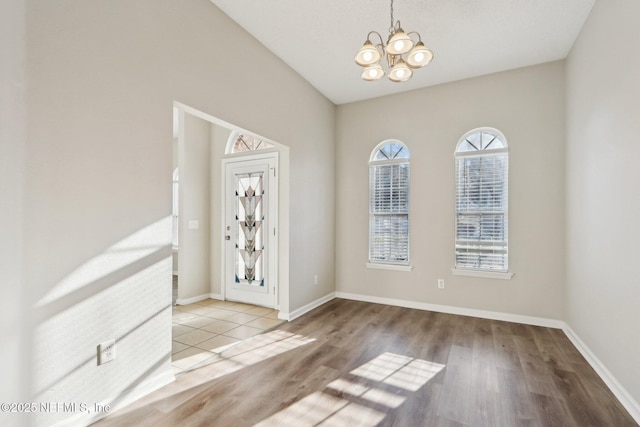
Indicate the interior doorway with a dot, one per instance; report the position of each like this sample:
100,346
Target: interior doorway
207,315
203,146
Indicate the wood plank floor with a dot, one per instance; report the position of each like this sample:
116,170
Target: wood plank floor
351,363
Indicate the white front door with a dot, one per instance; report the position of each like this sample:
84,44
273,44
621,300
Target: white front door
250,229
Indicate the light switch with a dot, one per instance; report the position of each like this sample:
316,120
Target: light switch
106,351
193,224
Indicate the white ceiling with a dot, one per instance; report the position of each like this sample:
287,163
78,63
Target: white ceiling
319,38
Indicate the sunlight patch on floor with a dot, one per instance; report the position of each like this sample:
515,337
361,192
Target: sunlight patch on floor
322,409
242,355
384,381
252,351
372,394
399,371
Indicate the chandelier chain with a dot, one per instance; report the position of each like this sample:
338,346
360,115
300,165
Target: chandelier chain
392,27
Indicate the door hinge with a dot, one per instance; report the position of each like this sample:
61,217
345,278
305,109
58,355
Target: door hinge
274,172
274,231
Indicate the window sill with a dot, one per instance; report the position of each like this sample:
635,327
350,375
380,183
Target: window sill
484,274
393,267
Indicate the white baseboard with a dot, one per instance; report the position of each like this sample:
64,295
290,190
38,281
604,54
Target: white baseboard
493,315
306,308
125,398
187,301
630,404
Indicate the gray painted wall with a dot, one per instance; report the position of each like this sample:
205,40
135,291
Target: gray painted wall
527,105
219,138
603,203
14,356
195,205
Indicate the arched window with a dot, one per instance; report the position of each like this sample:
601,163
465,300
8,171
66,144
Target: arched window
389,204
240,143
482,165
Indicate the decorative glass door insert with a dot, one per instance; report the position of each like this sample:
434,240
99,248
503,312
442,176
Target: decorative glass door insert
249,265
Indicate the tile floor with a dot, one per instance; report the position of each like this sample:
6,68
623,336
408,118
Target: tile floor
203,330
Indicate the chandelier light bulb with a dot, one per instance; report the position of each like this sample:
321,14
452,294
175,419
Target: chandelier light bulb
399,43
419,56
400,72
367,55
374,72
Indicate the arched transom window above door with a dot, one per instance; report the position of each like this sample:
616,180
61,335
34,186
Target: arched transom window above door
242,143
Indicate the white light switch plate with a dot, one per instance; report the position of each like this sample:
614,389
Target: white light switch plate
106,352
194,224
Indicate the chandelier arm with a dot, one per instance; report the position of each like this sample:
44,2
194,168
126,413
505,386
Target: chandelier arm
379,36
416,33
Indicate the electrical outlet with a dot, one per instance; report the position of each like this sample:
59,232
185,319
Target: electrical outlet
441,283
106,351
315,279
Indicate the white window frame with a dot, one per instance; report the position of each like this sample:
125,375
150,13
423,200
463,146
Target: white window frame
403,265
458,154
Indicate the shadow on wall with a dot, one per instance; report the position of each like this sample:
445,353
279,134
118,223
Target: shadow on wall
123,294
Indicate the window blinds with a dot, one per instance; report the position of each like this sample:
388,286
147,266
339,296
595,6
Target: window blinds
481,211
389,213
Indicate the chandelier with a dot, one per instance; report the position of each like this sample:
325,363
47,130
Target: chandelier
398,44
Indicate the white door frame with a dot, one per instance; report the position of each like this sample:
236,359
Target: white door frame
272,241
